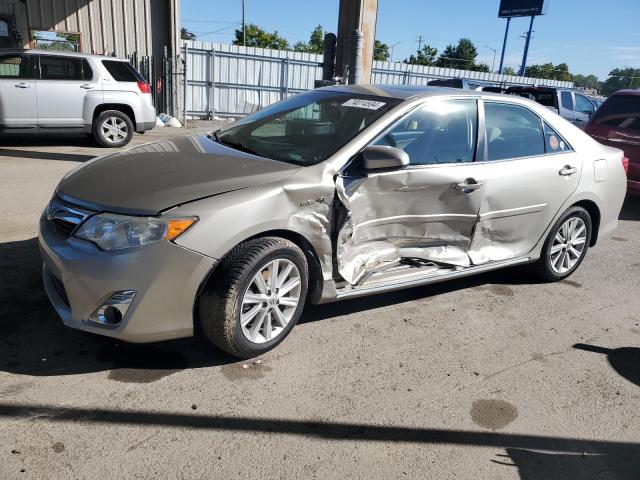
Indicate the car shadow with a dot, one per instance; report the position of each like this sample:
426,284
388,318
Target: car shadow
33,340
630,209
48,140
65,157
625,361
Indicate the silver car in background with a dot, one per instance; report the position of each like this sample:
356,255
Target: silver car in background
335,193
48,91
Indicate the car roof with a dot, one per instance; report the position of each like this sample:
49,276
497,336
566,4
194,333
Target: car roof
404,92
35,51
628,91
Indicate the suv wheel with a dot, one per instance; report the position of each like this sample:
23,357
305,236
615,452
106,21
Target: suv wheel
113,129
258,297
566,245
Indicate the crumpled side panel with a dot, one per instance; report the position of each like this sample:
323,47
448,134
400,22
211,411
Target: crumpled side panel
401,215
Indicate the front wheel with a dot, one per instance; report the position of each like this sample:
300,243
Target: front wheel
256,298
566,245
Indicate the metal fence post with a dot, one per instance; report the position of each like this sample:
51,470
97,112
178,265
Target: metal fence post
184,89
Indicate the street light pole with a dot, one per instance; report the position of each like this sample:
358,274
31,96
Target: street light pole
504,44
493,64
392,47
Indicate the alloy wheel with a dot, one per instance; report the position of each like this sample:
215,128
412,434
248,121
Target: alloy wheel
568,245
114,129
270,301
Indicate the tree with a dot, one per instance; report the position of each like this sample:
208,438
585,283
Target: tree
462,56
509,71
316,42
587,81
257,37
619,79
549,71
380,51
186,34
425,56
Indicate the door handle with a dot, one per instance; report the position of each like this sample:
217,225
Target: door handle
468,185
22,85
86,86
568,170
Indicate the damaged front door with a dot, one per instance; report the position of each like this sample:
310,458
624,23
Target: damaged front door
425,211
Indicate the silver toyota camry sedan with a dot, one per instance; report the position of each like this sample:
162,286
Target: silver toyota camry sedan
331,194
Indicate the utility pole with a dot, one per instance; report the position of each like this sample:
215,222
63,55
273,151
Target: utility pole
244,29
419,42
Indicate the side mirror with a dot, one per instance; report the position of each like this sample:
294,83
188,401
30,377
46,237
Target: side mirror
383,157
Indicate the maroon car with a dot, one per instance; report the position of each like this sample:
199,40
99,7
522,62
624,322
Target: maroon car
617,124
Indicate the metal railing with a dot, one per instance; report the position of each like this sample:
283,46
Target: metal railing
232,81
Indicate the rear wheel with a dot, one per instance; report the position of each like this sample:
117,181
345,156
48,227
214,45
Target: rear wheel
566,245
256,298
113,129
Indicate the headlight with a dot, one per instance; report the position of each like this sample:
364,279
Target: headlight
115,232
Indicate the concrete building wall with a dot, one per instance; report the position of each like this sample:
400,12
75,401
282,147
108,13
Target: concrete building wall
122,27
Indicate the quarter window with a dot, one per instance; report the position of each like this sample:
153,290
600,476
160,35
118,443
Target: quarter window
567,100
17,66
60,68
439,132
554,143
512,132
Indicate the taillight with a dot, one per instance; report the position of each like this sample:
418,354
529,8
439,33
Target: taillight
144,87
625,165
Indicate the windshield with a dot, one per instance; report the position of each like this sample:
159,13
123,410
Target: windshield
305,129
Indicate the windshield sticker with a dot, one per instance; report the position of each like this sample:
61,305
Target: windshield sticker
562,146
359,103
553,141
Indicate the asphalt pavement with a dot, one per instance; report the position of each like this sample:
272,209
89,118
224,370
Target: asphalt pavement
495,376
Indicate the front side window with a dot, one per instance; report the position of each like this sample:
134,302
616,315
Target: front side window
60,68
308,128
583,105
443,131
512,131
619,111
567,100
16,66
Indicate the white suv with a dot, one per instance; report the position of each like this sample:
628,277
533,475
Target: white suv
49,91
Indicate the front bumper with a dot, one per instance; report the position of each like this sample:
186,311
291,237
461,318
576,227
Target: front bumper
78,278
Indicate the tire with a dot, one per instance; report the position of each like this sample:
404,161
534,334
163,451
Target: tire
233,296
558,260
112,129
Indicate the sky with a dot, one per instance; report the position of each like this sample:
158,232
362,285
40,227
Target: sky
591,36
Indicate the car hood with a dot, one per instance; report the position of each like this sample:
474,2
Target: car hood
148,179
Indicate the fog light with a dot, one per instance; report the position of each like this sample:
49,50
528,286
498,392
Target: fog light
114,309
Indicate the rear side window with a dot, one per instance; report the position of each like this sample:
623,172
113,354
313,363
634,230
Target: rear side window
16,66
567,100
440,132
60,68
512,132
122,71
619,111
